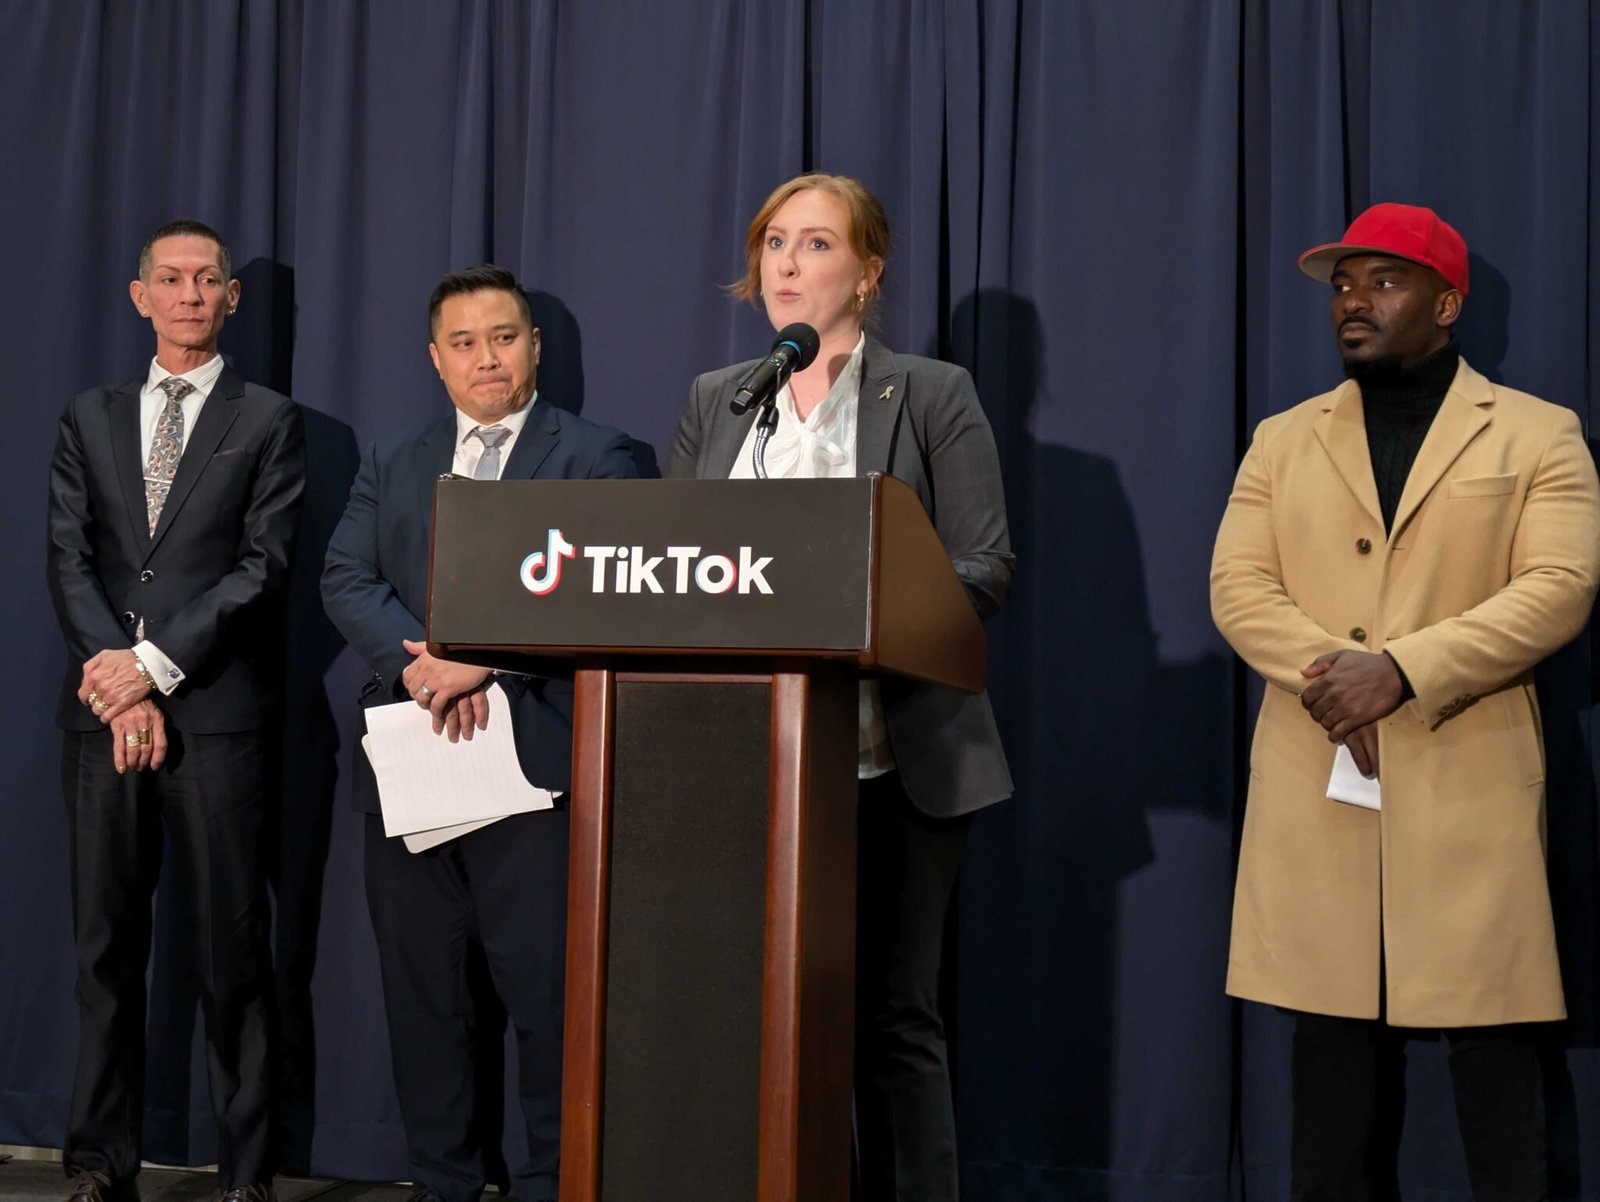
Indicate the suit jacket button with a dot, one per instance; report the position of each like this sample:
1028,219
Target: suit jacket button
1363,546
146,576
1358,634
129,618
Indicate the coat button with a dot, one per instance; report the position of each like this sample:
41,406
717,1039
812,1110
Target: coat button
129,617
146,576
1363,545
1358,634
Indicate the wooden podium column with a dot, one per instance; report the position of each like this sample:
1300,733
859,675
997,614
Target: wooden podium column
807,1044
588,905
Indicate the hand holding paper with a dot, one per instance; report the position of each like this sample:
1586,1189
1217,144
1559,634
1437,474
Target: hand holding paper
1348,785
428,784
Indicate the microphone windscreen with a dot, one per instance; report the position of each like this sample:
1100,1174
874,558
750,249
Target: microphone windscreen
804,339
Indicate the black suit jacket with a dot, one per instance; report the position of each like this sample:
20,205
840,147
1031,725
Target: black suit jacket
375,579
209,583
919,419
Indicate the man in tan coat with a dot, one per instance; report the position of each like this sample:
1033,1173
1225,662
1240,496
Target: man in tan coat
1396,557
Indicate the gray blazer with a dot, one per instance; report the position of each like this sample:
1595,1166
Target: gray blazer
920,421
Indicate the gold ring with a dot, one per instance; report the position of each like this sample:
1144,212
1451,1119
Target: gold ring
96,702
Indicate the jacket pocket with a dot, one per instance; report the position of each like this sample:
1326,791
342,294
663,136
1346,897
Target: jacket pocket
1483,486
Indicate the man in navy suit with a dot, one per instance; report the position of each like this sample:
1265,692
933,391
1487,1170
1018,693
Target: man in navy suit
174,501
500,889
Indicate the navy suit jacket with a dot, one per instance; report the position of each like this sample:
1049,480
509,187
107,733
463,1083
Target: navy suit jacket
375,580
209,583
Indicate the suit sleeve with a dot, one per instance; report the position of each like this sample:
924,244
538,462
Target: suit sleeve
1555,564
684,459
615,461
359,600
87,617
969,500
1249,603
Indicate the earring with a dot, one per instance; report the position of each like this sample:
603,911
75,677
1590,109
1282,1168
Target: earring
861,299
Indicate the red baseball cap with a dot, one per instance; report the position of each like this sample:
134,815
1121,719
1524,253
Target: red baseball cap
1405,231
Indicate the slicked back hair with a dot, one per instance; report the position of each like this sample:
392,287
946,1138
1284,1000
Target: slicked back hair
484,278
178,229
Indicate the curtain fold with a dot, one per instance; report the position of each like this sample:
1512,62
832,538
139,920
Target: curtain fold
1096,208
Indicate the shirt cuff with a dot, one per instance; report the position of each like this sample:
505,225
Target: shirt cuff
1406,691
163,671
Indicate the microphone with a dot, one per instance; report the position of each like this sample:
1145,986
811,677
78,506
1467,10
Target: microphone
794,350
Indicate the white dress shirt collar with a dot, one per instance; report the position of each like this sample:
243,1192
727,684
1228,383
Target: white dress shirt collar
824,445
470,450
202,377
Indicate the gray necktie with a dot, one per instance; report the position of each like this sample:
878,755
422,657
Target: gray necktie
165,447
489,462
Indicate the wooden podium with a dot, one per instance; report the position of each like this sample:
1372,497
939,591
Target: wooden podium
716,632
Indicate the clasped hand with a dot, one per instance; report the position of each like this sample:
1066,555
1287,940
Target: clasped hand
112,679
139,738
1348,693
453,693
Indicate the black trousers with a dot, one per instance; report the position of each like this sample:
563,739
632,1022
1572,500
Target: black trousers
211,797
1346,1075
501,891
906,869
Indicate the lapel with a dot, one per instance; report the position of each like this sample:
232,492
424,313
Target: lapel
1466,410
539,436
883,389
1342,430
435,456
725,439
217,415
123,414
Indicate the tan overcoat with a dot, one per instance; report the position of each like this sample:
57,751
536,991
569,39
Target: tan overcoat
1491,566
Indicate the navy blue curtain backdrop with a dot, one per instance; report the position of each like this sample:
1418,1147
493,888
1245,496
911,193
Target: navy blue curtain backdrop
1096,206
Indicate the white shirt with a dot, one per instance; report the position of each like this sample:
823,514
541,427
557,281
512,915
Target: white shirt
469,450
152,401
166,674
824,447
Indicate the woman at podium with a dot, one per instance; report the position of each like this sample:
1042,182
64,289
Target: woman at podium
929,757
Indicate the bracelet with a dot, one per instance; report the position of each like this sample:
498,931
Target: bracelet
144,675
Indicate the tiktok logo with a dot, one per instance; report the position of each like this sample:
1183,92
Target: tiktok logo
619,569
541,571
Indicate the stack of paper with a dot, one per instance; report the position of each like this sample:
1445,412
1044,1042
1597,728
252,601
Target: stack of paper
433,790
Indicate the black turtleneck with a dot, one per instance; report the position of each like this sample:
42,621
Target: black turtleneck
1399,406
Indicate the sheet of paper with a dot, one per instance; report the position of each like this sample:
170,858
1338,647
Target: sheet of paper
428,786
1346,783
423,840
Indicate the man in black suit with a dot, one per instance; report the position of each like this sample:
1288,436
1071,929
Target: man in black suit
174,500
499,890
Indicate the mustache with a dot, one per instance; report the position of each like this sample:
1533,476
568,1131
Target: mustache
1357,321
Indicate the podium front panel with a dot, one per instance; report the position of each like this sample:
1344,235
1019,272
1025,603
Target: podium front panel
683,1007
659,564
